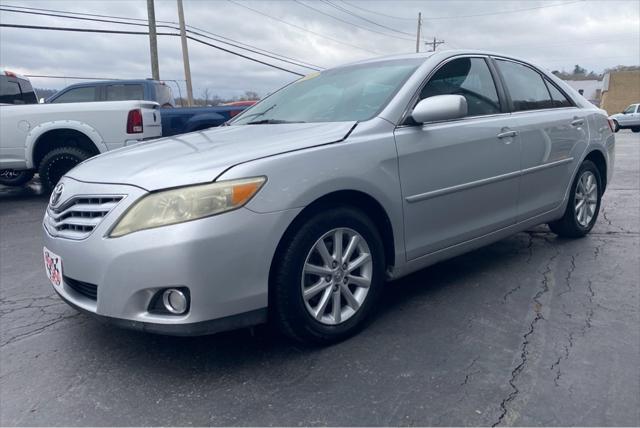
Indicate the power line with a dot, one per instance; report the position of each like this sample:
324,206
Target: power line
95,30
351,24
300,28
342,9
144,23
465,16
377,13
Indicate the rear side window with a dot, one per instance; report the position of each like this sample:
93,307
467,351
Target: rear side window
77,95
525,85
10,92
558,98
164,96
469,77
124,92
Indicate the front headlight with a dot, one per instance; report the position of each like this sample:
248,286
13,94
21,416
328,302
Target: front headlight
186,204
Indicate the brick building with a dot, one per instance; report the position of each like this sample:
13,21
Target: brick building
619,89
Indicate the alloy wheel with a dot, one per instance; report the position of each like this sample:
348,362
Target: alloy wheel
336,276
586,198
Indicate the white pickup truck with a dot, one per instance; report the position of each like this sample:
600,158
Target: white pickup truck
53,138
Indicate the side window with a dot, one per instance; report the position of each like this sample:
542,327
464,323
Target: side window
124,92
77,95
469,77
526,87
28,95
558,98
10,92
630,109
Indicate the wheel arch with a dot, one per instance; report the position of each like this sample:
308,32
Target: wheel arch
600,161
351,198
45,137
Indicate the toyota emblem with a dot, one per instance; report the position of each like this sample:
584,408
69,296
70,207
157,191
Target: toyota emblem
55,196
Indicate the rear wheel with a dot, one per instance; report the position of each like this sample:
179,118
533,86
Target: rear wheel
328,277
57,163
584,204
636,129
11,177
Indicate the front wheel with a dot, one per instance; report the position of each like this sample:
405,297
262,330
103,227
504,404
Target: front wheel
57,163
11,177
328,277
616,126
584,203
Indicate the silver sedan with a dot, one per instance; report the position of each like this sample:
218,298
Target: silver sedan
301,208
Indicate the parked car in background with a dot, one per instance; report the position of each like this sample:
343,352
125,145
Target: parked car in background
174,120
189,119
305,204
115,90
627,119
53,138
16,89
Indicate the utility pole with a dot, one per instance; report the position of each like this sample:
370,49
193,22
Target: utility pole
185,54
418,33
434,44
153,40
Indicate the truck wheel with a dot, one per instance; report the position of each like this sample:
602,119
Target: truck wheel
57,163
636,129
11,177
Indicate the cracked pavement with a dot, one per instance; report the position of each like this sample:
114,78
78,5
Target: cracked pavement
532,330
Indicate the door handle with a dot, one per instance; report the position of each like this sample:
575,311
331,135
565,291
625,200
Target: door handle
577,122
507,134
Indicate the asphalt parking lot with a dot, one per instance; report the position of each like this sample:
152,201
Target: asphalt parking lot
533,330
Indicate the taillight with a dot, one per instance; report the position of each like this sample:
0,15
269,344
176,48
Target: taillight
134,122
612,125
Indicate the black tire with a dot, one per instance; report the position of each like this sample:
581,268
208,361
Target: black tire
616,126
11,177
635,129
57,163
288,310
568,226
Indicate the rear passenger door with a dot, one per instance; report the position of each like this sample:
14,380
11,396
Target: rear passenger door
553,134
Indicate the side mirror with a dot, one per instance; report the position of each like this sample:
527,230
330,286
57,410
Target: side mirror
440,107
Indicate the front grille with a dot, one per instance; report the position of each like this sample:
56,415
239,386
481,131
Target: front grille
77,218
84,288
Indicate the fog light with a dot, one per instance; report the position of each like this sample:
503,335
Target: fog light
174,301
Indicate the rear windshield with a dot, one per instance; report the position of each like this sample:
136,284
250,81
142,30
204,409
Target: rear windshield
16,91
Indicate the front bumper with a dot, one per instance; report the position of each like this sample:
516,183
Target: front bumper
223,260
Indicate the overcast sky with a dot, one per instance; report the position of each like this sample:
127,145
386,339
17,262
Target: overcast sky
555,34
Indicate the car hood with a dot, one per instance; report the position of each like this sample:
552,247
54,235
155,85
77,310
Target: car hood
200,157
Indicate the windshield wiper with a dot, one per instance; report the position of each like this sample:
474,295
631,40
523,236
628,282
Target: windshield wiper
273,122
262,113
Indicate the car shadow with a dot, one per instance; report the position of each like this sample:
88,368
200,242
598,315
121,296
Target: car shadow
244,348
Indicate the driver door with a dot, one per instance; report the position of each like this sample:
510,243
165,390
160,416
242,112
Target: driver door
459,177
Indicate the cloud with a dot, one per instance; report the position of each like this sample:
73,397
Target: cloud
593,34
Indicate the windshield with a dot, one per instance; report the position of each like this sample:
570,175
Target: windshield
356,92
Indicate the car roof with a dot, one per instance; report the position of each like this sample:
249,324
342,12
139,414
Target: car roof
442,53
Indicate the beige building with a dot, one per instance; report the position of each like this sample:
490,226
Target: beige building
619,89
